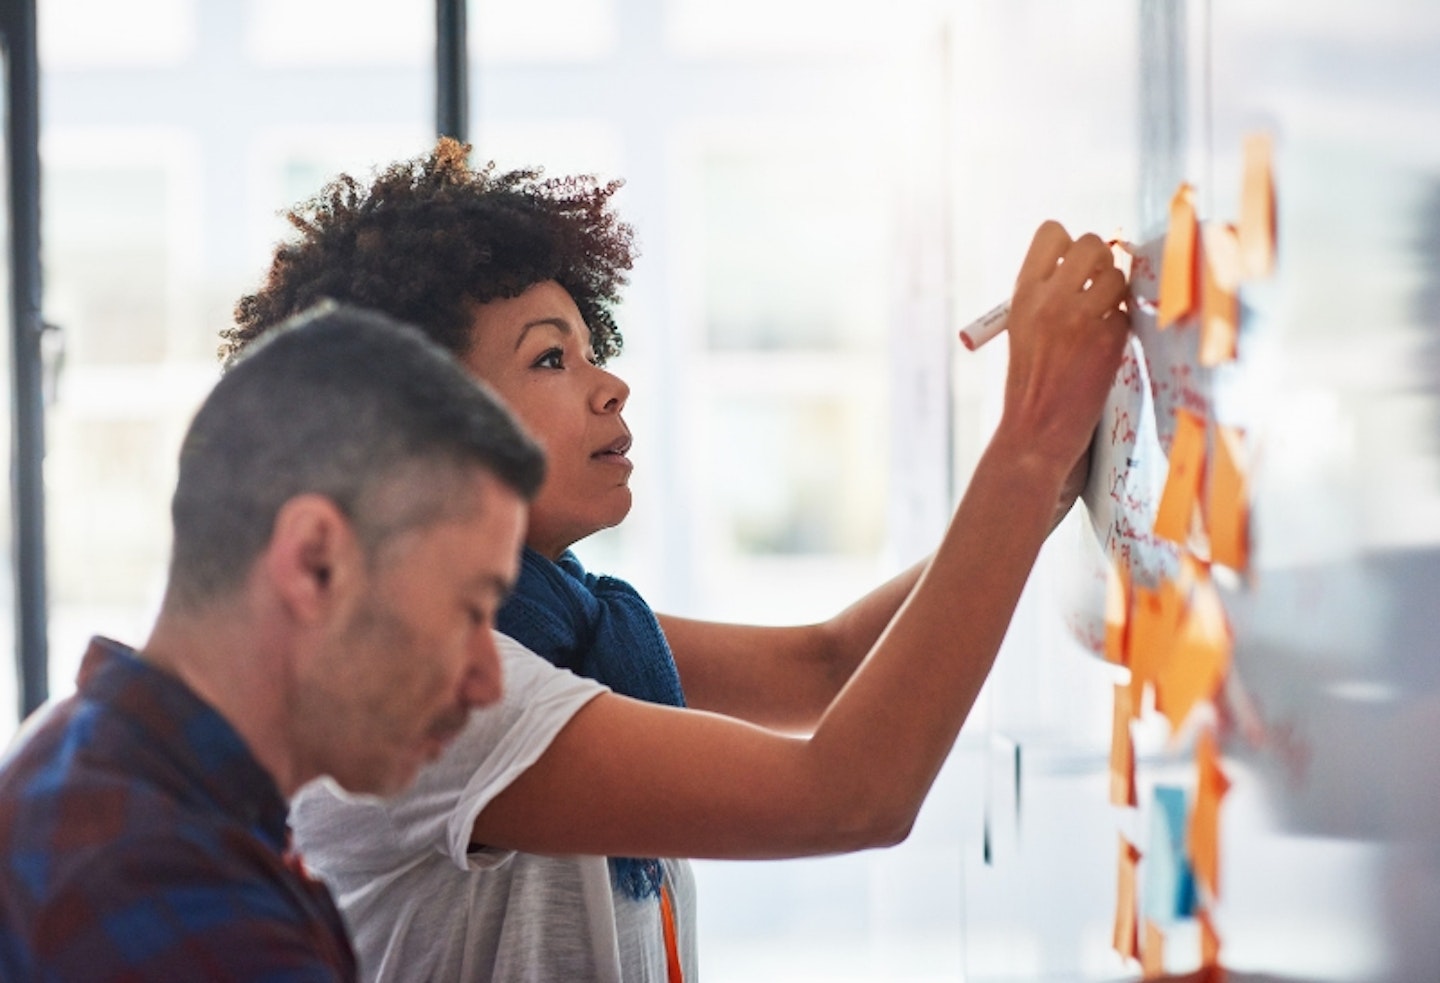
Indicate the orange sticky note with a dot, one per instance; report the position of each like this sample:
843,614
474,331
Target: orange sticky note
1152,635
1227,500
1219,299
1117,614
1122,750
1192,571
1257,208
1177,260
1152,958
1203,840
1182,484
1127,935
1201,657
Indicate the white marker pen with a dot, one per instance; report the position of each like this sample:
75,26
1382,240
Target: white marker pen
985,327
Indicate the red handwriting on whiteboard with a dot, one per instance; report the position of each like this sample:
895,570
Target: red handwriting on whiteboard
1117,486
1141,269
1086,633
1122,428
1188,393
1129,374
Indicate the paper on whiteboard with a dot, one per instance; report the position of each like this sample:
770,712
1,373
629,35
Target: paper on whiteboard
1160,373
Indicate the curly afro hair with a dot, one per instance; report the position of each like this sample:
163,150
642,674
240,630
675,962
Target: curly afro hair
431,237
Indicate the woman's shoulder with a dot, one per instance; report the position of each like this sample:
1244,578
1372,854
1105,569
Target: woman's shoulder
529,676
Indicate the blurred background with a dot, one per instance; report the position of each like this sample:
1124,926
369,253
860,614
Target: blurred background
824,191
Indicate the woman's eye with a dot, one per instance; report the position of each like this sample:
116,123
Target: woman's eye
553,358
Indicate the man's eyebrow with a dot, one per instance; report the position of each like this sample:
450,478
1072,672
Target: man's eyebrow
558,323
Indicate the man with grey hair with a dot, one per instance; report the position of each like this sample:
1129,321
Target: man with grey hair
348,518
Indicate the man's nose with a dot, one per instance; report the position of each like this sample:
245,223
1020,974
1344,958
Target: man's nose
484,683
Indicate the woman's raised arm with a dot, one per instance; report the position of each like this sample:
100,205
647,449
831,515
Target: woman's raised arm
630,778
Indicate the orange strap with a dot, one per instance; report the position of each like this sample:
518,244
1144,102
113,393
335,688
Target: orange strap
672,943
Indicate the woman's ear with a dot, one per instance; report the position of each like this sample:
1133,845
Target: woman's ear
313,558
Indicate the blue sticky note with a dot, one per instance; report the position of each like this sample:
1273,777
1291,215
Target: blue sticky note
1168,892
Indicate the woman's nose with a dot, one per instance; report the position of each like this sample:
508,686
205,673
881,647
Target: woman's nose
611,394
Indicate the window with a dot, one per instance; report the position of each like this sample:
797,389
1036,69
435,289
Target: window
88,34
783,245
166,168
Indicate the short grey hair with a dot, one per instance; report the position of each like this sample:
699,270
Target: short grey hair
342,402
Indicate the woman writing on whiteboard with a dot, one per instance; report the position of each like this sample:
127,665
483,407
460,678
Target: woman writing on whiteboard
494,866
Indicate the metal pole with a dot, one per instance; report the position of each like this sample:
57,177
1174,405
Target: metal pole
451,70
22,142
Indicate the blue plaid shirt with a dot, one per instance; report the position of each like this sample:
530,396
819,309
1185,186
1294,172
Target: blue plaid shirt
142,841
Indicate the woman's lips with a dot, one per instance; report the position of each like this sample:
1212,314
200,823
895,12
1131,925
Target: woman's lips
615,452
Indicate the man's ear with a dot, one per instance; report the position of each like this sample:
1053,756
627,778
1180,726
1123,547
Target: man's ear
313,557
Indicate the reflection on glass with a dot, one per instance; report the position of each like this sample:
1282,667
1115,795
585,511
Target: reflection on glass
156,220
796,474
312,33
543,31
795,250
1425,301
743,28
108,222
88,34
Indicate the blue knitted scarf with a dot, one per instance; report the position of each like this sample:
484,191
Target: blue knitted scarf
601,628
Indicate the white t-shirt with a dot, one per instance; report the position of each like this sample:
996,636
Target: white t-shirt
421,904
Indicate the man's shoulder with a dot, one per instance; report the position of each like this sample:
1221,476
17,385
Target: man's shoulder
85,812
154,900
106,834
78,769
